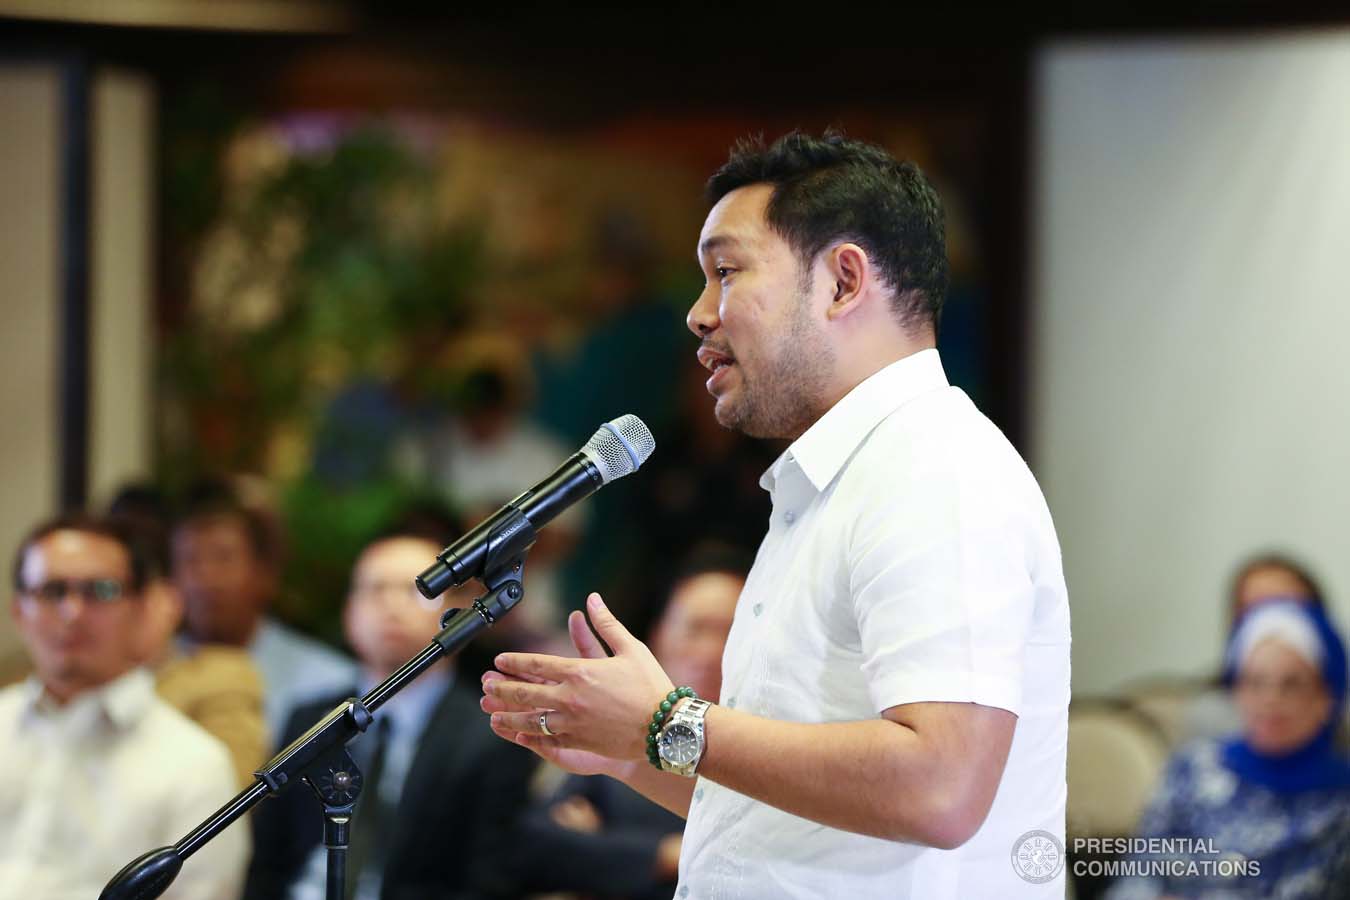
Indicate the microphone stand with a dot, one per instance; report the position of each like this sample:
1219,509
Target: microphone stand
319,757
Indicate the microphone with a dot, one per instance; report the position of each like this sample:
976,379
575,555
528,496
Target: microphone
615,450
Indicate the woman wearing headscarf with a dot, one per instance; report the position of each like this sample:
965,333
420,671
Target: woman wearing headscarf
1267,811
1212,711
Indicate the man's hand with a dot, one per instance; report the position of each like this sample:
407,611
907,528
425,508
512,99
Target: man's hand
598,706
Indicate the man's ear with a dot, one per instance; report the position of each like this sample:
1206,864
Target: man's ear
850,270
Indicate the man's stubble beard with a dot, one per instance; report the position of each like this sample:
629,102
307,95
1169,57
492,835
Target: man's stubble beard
788,393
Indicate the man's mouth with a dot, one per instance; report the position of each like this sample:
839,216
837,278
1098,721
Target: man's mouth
718,363
714,360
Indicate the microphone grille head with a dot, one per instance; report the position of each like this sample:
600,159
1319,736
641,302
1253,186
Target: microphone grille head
619,447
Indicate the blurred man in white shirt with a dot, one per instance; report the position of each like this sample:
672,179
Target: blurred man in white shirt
100,770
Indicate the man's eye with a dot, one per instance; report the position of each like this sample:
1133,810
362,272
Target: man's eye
723,271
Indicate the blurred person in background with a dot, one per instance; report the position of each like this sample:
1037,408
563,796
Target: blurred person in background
441,794
1269,576
478,450
1211,713
225,563
99,768
1279,792
214,685
486,453
597,836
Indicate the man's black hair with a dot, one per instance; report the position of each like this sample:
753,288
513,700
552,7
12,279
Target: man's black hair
708,557
832,189
142,512
428,520
111,529
213,498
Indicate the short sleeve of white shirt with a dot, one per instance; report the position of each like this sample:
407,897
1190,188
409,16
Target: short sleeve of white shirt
938,572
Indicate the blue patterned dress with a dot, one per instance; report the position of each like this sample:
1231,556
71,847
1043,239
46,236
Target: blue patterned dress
1301,840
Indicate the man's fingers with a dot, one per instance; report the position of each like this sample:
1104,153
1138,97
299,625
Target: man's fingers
610,629
524,694
535,667
544,746
489,675
491,704
583,638
529,723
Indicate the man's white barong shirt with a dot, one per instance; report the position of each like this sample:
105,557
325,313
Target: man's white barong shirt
910,558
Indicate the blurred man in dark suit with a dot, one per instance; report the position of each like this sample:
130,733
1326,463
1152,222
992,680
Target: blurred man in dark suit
440,797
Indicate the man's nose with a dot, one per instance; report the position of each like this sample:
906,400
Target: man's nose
72,606
702,319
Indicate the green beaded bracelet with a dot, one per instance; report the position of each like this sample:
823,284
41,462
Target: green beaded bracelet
659,720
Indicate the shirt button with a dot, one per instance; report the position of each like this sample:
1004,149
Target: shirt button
698,794
789,517
684,890
731,703
758,608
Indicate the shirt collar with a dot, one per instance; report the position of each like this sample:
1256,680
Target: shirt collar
824,448
122,701
127,698
267,636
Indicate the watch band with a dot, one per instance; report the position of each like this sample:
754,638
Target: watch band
682,741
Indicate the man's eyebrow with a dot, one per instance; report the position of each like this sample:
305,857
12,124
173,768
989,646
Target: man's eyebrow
715,242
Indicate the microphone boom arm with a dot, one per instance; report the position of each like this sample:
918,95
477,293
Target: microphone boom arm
310,756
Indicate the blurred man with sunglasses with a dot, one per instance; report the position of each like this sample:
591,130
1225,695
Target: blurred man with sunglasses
98,768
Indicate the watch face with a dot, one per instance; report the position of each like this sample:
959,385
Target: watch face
679,745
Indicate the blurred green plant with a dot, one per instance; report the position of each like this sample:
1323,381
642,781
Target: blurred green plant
317,272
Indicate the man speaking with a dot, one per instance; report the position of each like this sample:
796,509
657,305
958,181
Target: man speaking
896,682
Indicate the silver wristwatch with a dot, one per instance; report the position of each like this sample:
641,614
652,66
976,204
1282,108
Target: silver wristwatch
680,744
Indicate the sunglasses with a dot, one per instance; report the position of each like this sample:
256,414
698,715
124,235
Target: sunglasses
92,591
